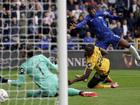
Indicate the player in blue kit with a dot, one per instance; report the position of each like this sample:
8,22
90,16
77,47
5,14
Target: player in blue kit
40,68
105,37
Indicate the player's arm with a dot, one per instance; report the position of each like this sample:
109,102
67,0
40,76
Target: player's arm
51,66
108,15
81,78
103,51
80,24
20,80
88,70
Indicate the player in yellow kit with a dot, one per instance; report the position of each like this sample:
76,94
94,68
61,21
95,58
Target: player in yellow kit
96,61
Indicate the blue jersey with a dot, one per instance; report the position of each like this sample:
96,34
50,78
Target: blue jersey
100,28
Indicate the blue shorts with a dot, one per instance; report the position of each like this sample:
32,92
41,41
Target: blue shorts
111,39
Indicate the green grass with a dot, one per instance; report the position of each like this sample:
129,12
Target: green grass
127,94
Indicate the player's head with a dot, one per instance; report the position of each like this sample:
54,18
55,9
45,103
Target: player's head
91,10
89,50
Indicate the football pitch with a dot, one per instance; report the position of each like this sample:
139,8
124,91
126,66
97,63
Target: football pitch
128,92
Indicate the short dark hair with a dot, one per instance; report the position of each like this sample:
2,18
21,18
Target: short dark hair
90,7
89,49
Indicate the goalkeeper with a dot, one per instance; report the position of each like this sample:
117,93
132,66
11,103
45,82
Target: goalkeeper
95,60
40,68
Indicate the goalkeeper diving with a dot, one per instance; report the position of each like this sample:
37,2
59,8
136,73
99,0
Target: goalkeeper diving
40,68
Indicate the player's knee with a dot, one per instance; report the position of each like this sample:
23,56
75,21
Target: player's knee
90,86
93,83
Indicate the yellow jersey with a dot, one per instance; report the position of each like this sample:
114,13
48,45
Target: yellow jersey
97,62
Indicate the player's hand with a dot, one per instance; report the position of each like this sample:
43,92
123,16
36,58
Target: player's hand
78,76
70,82
72,26
114,85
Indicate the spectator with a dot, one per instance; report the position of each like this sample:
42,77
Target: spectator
134,6
14,27
47,21
113,24
118,30
129,37
43,42
125,28
111,2
32,28
137,16
22,26
104,5
71,4
88,38
71,44
120,6
76,12
131,22
38,8
6,21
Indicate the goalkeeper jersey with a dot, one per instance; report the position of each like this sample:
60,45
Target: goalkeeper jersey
39,69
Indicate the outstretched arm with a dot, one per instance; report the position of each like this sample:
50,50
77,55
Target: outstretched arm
81,24
50,65
108,15
20,80
83,77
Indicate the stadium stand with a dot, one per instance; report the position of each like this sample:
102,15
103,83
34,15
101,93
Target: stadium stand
27,20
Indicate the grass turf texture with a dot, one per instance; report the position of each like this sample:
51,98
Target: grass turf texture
127,94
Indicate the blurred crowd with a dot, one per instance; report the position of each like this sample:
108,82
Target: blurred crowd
35,21
27,21
128,26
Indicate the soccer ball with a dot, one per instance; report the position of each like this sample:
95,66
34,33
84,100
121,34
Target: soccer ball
3,95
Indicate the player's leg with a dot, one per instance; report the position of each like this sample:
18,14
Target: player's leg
41,93
48,87
74,92
108,80
34,93
100,76
115,40
124,43
94,82
102,43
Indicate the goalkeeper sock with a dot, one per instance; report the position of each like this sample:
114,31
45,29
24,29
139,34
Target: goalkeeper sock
134,52
3,80
73,92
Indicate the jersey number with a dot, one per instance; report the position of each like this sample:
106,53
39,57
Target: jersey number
41,71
